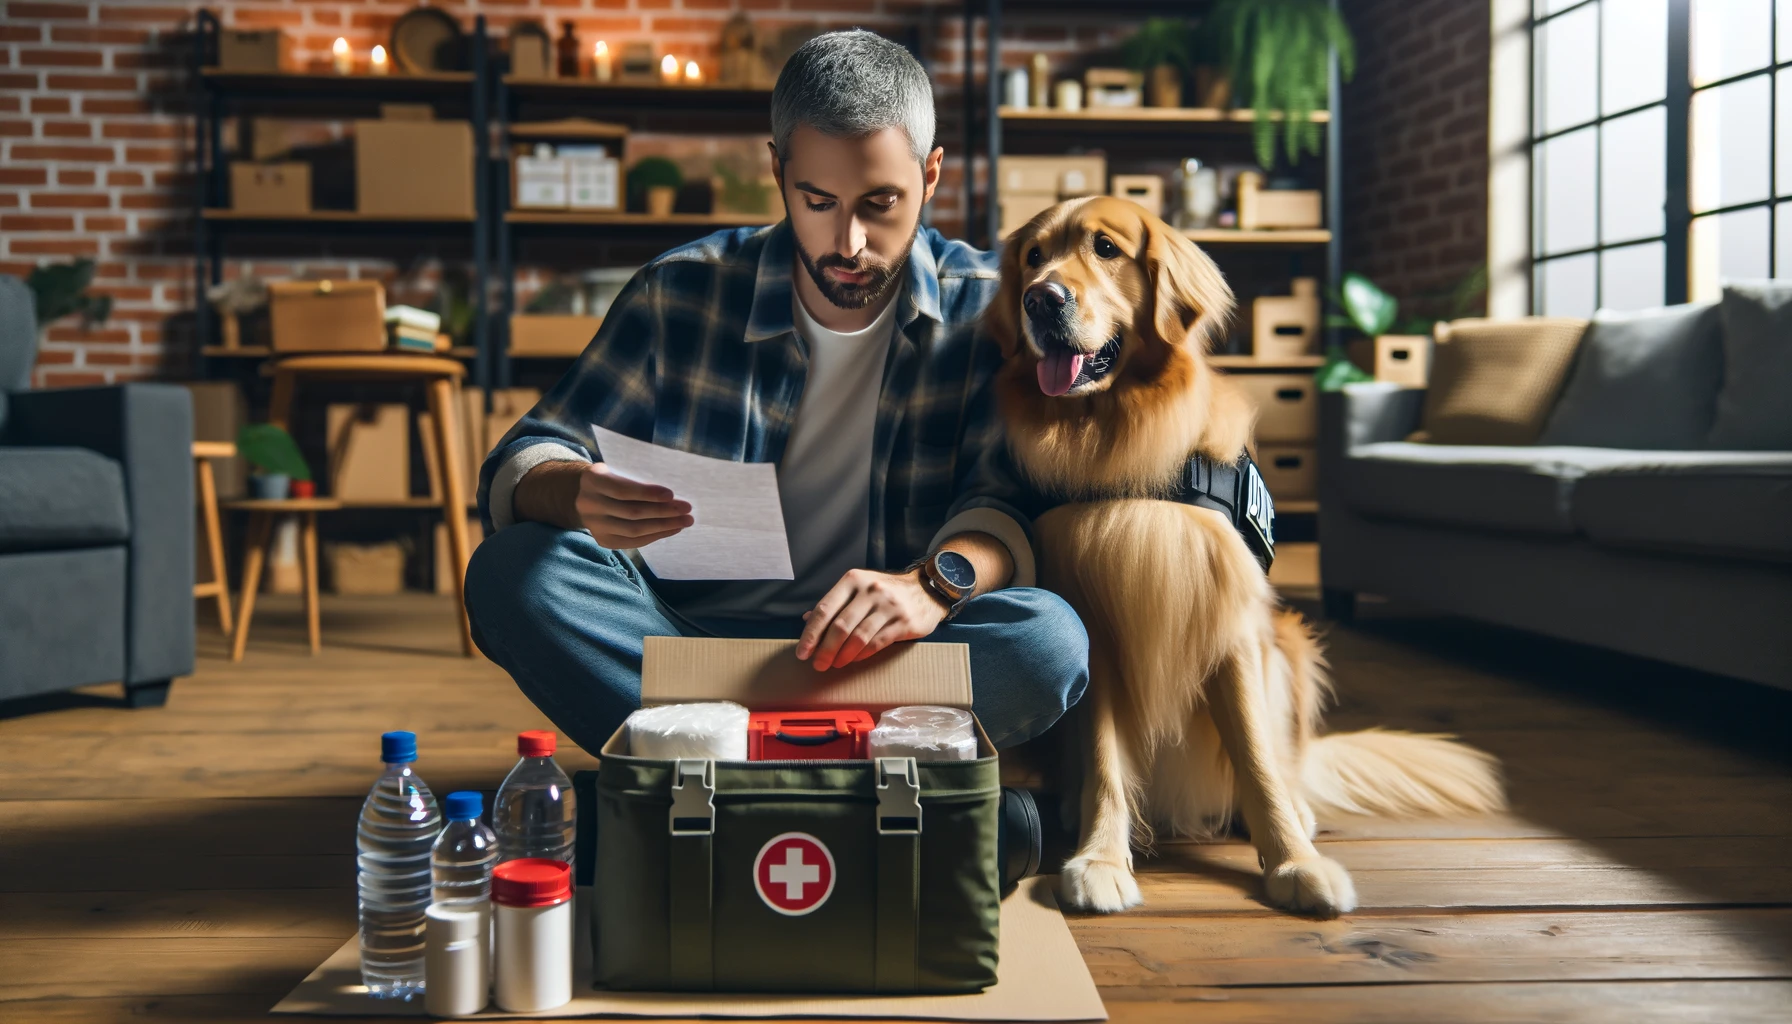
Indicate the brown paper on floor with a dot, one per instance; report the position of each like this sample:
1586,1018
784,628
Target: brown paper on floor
1042,977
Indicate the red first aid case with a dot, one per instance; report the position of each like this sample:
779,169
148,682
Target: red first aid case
808,735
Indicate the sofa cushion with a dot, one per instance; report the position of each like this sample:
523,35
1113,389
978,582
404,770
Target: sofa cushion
1495,487
1495,381
1731,503
60,498
1752,411
1643,380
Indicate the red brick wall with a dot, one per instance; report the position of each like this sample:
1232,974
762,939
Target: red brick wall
1415,144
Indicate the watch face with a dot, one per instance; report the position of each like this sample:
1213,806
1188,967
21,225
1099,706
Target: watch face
956,570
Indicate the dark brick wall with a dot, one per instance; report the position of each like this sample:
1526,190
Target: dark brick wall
1415,144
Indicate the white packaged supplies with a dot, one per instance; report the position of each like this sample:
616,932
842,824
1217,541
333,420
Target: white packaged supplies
715,730
925,733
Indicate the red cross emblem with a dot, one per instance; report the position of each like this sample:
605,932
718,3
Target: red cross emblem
794,873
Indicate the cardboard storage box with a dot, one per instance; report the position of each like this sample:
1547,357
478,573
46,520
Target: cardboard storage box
1287,406
1283,326
406,168
1017,208
1145,189
275,189
1291,474
327,316
538,334
369,452
1065,177
265,50
1403,359
1113,87
219,411
1260,208
376,569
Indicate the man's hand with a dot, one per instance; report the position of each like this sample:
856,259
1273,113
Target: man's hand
619,512
866,612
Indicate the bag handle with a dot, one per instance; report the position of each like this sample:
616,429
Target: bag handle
816,740
898,873
690,875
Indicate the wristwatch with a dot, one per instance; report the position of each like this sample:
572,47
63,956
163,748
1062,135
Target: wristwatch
948,576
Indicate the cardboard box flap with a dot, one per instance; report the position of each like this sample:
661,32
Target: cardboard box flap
765,675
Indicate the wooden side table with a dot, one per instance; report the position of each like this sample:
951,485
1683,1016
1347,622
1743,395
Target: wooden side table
441,380
219,585
262,513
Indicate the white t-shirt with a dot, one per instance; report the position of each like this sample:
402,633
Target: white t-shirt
824,476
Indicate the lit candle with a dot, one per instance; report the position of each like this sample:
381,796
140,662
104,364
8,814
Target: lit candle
600,61
669,70
377,62
693,75
345,62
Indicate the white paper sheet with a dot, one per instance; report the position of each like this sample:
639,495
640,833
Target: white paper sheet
739,523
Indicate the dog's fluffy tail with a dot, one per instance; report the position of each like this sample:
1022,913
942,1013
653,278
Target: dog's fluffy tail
1377,771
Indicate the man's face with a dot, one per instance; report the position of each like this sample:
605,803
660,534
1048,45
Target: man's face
855,205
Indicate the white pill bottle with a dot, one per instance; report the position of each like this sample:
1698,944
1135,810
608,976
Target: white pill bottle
532,915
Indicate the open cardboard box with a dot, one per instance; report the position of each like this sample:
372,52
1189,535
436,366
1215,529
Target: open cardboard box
1041,975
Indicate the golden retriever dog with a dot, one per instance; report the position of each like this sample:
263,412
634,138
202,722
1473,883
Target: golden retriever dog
1204,696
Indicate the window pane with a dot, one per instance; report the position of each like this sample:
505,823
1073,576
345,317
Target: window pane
1783,23
1631,277
1565,193
1633,175
1539,8
1567,69
1565,286
1730,37
1730,127
1782,240
1782,132
1727,247
1634,54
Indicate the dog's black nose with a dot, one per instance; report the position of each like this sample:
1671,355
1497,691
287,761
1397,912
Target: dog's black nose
1044,298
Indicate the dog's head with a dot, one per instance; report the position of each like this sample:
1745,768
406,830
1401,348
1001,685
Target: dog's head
1097,294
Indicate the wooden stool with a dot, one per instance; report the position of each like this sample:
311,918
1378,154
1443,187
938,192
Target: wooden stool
219,585
441,378
262,512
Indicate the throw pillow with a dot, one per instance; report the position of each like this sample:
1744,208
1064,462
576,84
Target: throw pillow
1495,381
1752,409
1643,380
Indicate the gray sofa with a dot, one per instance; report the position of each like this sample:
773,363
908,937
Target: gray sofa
1653,516
96,527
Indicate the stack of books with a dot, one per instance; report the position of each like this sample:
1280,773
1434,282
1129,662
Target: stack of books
414,330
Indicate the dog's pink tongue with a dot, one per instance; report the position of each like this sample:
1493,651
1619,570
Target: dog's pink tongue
1058,370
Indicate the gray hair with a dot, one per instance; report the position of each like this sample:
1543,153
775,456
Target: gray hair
852,84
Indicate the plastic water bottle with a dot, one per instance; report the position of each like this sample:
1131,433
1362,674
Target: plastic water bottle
535,814
465,853
399,824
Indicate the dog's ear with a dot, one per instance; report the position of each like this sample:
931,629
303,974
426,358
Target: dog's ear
1190,299
1002,317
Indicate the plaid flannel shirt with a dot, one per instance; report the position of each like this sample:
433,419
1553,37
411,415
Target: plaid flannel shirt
699,353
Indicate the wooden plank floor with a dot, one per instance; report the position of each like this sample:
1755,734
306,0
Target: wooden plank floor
194,862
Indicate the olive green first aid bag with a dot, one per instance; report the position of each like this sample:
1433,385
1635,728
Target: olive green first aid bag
796,876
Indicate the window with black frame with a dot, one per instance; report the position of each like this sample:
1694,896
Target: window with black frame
1646,190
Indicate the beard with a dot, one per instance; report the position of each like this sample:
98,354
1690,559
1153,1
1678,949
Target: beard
883,273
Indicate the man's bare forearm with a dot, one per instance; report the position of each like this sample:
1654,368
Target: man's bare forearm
990,557
549,494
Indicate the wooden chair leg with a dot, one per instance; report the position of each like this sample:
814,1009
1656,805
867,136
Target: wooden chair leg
313,628
255,552
214,541
444,405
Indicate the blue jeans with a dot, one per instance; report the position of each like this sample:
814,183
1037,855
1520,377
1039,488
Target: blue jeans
565,617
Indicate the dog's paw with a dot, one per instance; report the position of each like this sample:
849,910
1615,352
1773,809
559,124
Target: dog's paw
1311,885
1099,885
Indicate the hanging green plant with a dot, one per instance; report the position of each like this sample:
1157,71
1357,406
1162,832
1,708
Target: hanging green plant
1277,53
272,450
61,288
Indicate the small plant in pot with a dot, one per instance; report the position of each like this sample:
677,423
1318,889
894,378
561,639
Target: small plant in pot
653,185
1162,49
280,469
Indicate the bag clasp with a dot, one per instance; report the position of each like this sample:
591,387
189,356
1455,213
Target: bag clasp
898,796
693,810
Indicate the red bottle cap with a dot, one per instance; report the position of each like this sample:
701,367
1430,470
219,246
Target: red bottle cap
535,743
531,882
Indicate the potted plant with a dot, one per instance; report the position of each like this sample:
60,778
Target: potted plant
653,185
1161,49
1277,55
1366,308
275,455
61,289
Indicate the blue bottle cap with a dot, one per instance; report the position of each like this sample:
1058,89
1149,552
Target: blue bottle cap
464,804
398,747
